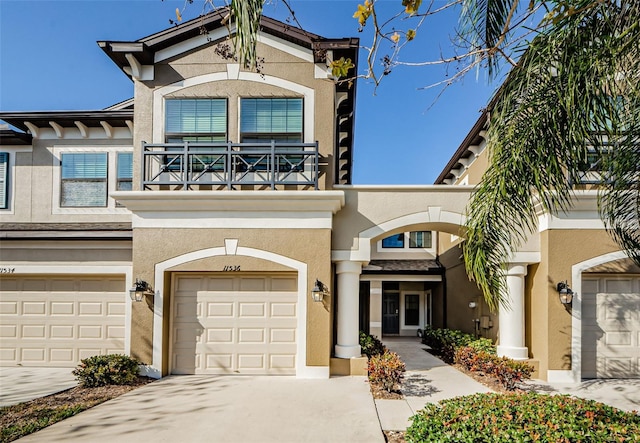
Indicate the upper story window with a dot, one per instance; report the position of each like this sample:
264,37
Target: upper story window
83,180
4,182
124,176
266,119
196,120
394,241
420,239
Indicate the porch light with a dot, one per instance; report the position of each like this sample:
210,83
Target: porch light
139,290
319,291
565,293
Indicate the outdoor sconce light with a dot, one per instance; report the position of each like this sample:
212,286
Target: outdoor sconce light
139,290
319,291
565,293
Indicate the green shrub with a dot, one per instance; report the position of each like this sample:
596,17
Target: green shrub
370,345
103,370
520,418
507,372
386,370
447,341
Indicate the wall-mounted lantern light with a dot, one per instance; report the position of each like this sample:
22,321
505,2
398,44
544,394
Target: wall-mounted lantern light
139,290
319,291
565,293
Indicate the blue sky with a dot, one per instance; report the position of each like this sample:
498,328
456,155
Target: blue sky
49,60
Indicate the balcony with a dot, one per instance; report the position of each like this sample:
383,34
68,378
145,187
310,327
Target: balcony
216,166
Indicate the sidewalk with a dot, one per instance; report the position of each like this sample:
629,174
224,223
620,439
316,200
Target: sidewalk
427,380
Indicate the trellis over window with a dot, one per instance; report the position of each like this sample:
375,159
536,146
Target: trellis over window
83,180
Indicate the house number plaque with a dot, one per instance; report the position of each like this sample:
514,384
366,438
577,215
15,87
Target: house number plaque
231,268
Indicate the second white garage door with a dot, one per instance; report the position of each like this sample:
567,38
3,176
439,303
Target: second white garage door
611,326
234,324
58,320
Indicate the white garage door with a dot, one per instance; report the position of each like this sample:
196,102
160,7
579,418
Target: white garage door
244,324
611,327
57,321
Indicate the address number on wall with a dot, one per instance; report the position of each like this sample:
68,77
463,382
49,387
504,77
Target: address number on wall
231,268
7,270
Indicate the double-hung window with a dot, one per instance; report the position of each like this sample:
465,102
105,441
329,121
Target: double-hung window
4,182
265,120
420,239
198,120
83,180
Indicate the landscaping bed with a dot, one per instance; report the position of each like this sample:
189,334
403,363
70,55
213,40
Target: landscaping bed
28,417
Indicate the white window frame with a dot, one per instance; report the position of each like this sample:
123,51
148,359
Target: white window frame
112,158
407,250
421,310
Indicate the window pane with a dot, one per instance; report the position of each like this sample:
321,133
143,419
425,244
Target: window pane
420,239
125,165
394,241
4,173
271,115
412,309
84,179
196,116
84,193
85,165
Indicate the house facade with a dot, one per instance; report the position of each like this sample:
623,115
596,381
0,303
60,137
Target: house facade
223,198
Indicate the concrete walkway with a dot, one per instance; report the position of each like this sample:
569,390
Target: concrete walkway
427,380
18,384
194,409
620,393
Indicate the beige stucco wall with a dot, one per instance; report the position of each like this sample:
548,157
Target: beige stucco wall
310,246
461,291
473,174
277,63
561,250
33,193
369,206
47,252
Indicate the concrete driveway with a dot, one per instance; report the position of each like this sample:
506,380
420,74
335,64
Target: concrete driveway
230,409
18,384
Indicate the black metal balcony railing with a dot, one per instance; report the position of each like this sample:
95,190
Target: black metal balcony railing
228,165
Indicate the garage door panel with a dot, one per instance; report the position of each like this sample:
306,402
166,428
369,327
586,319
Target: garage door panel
611,337
60,324
220,309
8,308
242,332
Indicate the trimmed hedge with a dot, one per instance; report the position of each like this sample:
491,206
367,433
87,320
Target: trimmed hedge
520,418
447,341
370,345
508,372
386,370
103,370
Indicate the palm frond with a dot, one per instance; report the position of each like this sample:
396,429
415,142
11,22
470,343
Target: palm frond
541,133
246,15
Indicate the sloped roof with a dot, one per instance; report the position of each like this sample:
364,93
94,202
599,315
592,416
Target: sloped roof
144,49
419,267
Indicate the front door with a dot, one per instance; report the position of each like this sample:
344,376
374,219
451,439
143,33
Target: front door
390,314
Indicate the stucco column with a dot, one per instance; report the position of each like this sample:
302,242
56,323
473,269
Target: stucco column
511,319
348,303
